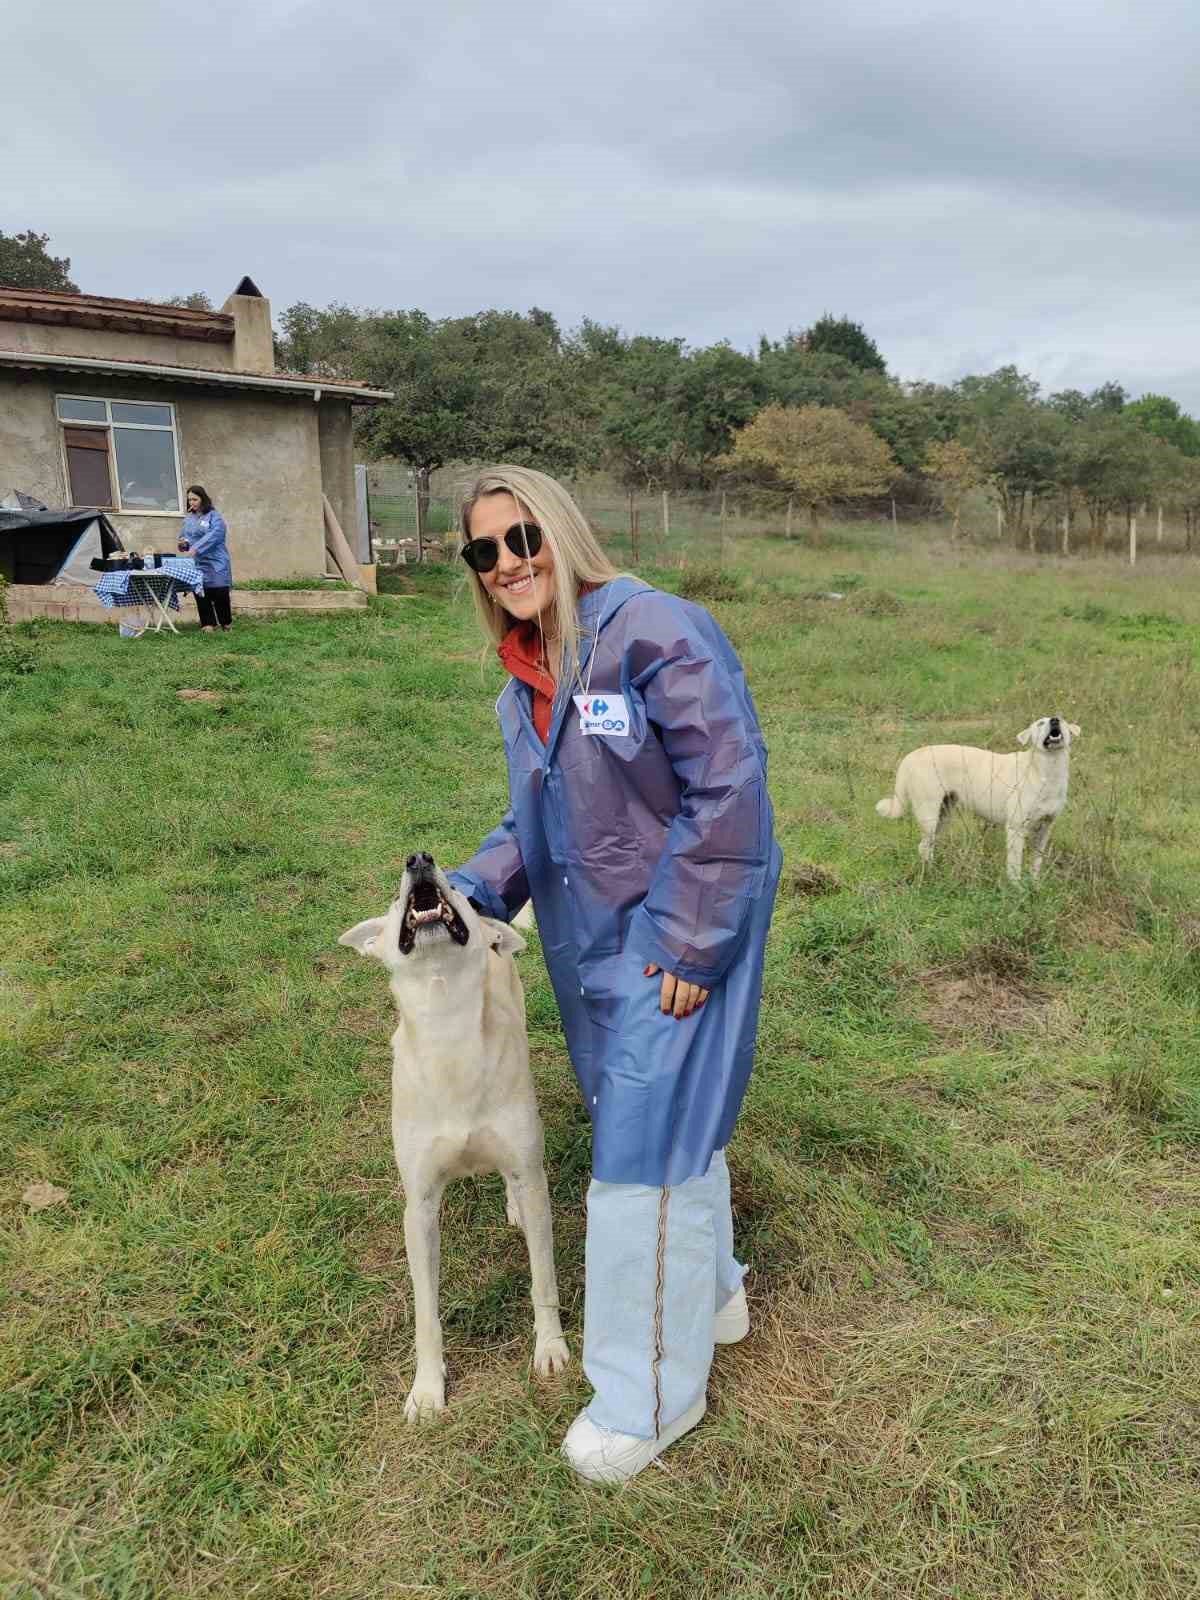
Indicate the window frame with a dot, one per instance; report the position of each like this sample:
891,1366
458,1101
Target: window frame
107,426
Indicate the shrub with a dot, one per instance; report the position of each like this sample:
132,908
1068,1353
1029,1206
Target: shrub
17,657
708,583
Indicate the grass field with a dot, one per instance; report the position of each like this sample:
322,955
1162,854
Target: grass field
967,1179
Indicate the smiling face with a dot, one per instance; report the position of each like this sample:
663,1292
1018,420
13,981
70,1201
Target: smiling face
524,593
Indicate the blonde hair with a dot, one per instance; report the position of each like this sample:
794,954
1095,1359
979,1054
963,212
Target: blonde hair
578,558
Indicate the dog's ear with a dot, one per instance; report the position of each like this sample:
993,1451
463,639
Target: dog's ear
362,936
1027,733
505,940
1074,729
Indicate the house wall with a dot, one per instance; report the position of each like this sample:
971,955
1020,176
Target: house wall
259,456
107,344
336,439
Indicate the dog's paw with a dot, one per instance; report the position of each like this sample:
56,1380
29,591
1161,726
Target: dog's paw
426,1397
511,1209
550,1356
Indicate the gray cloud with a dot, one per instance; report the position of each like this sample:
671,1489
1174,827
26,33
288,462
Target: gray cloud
976,184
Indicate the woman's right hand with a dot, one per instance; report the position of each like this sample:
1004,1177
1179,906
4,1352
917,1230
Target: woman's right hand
676,997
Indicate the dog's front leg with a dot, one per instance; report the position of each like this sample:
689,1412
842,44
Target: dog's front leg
550,1353
423,1243
1016,849
1040,835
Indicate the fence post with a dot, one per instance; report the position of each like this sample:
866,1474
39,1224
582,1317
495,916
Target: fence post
788,524
1158,539
999,522
1066,545
635,528
666,514
893,513
1133,539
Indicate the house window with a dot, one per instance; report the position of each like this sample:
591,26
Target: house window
120,454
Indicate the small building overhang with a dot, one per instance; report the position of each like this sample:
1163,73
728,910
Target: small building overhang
296,383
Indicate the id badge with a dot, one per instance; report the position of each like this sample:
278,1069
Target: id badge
603,713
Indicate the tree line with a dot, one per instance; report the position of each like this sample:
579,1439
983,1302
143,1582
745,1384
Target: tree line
806,421
812,419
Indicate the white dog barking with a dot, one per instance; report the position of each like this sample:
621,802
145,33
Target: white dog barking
462,1096
1025,791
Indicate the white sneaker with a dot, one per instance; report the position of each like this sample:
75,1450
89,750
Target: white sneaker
732,1322
602,1456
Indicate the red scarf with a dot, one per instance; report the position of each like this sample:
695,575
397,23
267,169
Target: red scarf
524,655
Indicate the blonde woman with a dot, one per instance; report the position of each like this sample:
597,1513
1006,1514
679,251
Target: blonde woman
640,827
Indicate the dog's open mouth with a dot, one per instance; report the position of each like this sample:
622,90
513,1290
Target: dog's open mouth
430,915
1052,740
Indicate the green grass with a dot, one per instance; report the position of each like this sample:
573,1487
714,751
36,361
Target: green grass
302,582
967,1179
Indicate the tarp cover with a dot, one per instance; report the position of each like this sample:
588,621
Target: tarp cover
54,546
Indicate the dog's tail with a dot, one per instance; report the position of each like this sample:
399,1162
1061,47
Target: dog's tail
891,807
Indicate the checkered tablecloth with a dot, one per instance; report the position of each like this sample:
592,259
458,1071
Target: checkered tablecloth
133,588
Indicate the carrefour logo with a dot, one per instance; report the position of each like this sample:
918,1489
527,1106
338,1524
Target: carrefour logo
603,714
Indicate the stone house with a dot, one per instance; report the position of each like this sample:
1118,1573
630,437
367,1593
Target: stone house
120,404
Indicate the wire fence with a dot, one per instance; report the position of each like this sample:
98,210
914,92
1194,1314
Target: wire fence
648,529
664,528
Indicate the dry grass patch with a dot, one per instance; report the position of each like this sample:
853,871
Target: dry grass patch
806,878
958,1004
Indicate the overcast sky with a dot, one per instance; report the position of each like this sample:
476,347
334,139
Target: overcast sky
981,182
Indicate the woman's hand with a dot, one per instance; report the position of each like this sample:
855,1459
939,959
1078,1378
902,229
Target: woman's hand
677,998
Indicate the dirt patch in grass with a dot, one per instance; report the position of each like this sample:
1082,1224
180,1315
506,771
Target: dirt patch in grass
208,696
806,878
988,990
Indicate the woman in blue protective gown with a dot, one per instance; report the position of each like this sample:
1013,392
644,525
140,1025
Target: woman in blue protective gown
640,827
203,537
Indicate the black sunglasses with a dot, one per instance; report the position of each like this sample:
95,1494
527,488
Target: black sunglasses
524,539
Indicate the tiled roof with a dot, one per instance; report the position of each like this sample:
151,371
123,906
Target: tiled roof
105,311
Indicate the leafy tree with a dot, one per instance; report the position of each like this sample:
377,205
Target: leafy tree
1016,440
1108,397
1115,464
1186,494
1160,415
196,301
839,336
25,263
325,343
955,470
641,411
817,452
491,386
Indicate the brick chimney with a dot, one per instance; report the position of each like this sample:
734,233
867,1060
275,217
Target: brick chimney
253,347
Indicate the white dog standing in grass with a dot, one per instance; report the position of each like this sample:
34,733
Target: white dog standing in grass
1025,791
462,1095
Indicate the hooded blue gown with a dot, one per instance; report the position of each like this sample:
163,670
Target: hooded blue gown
649,839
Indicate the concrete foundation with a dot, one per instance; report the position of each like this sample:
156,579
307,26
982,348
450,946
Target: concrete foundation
27,601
